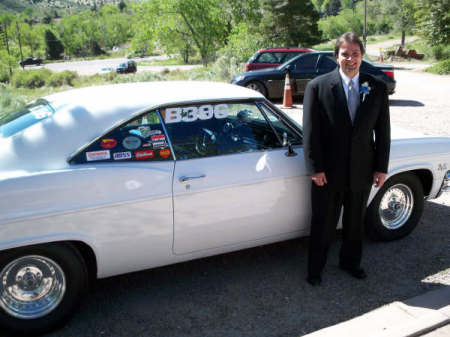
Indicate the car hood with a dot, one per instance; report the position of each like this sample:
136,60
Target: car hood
261,72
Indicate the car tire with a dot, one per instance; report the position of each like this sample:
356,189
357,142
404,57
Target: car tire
396,209
41,286
257,86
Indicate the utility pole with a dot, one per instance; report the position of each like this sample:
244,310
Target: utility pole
365,20
365,24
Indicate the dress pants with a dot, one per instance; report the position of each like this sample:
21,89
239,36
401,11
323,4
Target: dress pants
326,209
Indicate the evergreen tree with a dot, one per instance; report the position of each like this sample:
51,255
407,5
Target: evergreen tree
54,47
290,23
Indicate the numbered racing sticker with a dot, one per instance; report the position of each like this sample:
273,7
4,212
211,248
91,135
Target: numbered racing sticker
131,143
108,143
122,155
145,154
98,155
192,113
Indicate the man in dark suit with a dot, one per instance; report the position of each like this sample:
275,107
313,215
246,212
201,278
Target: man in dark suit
346,143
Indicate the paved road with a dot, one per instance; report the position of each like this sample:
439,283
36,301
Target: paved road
93,66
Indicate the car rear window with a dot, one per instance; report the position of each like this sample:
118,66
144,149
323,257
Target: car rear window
19,120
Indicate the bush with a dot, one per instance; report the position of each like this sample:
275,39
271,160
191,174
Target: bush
30,79
59,79
441,51
441,68
9,101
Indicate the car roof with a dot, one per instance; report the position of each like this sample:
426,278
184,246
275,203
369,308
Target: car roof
284,49
85,114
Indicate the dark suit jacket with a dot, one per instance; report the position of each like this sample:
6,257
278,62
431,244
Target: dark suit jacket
348,154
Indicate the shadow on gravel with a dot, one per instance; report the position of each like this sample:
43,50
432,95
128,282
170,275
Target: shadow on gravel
262,291
404,102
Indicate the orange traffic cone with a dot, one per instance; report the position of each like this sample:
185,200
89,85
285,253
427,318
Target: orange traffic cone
287,97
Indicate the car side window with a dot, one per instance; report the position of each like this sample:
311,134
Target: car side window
289,56
306,62
268,58
327,63
204,130
141,139
283,130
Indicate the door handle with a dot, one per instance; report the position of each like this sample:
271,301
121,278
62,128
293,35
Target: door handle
183,179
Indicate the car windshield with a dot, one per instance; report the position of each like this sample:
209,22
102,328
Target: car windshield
292,60
16,121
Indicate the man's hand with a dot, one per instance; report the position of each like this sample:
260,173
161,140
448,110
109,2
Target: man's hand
319,178
379,179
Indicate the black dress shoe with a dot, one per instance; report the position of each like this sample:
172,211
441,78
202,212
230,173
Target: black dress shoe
314,281
356,272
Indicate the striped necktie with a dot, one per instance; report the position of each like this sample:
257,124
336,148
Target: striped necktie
353,100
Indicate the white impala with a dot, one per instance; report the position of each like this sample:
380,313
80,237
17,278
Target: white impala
107,180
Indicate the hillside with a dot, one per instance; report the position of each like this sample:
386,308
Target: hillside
17,6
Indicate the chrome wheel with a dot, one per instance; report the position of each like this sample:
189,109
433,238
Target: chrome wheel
396,206
257,87
31,286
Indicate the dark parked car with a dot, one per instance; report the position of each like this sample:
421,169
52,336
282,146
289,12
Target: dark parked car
273,57
30,61
302,69
127,67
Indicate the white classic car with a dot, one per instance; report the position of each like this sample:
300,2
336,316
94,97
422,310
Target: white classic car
107,180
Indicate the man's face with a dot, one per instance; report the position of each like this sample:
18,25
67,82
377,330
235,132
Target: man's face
349,58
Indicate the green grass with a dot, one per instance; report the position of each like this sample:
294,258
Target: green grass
329,45
172,61
440,68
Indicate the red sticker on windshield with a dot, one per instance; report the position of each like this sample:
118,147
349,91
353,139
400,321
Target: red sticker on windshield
108,143
164,153
144,154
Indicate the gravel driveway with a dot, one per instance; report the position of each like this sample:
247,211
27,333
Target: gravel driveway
262,291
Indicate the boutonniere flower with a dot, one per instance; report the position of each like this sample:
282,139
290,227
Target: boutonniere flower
364,89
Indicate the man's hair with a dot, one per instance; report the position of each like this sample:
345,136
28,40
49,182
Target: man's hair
350,37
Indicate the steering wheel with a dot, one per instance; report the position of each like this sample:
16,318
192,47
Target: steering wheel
204,141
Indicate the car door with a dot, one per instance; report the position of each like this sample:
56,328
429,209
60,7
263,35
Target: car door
302,70
233,182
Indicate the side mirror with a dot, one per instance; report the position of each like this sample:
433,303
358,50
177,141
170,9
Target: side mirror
288,68
290,152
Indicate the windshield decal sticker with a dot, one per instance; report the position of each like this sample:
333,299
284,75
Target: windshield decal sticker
145,154
122,155
192,113
98,155
145,131
164,153
131,143
159,145
108,143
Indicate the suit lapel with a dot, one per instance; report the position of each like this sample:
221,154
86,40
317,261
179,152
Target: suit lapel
339,97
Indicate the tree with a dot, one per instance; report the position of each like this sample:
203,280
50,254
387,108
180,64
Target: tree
54,47
206,25
290,23
434,21
331,7
121,5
